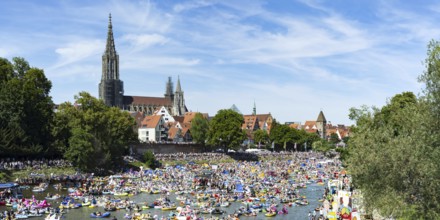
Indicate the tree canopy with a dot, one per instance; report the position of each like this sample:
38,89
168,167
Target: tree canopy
26,109
97,135
225,130
394,150
261,137
199,129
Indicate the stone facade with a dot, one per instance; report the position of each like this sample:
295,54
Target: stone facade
111,88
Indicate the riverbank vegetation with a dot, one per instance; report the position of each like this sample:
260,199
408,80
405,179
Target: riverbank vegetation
394,150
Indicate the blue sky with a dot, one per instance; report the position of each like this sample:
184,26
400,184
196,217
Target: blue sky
293,58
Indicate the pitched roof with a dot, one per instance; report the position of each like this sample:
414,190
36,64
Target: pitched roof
189,116
179,118
321,117
263,117
138,117
310,126
172,132
142,100
250,122
295,125
151,121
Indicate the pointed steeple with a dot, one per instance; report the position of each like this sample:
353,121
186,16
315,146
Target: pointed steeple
321,117
254,111
178,88
110,46
111,88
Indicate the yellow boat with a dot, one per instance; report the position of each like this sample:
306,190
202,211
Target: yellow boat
270,214
169,208
145,207
121,194
145,190
85,204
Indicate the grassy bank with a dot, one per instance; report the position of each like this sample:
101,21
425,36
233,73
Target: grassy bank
12,175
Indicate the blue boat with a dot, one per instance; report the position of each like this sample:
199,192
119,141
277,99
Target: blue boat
98,215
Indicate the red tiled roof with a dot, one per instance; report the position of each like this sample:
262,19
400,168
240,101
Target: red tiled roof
250,122
294,125
142,100
151,121
189,116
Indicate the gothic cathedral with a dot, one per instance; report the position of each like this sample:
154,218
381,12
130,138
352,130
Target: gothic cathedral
111,88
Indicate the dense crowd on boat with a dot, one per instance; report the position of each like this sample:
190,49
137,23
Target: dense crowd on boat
191,190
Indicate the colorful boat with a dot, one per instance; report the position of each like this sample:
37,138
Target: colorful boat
99,215
270,214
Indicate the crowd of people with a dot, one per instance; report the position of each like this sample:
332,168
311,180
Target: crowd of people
272,177
36,164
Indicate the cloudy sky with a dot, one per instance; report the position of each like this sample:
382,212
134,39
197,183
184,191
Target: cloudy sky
292,58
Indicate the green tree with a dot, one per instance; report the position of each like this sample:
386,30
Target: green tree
283,136
389,163
199,129
97,135
225,130
393,152
261,137
149,159
321,146
334,139
26,109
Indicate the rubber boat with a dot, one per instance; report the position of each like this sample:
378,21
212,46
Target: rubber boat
96,215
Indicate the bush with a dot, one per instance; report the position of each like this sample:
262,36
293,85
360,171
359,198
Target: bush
149,159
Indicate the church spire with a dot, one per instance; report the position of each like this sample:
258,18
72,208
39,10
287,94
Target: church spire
254,111
111,88
110,46
178,88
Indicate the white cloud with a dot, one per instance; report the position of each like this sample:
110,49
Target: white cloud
142,62
190,5
145,40
78,51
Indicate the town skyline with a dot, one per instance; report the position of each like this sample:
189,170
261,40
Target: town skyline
292,59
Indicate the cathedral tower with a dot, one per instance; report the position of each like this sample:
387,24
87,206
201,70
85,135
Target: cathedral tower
179,100
111,88
169,90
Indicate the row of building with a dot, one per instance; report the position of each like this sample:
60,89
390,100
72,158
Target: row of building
162,119
162,126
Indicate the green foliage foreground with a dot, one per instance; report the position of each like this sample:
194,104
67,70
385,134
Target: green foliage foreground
97,136
394,150
26,110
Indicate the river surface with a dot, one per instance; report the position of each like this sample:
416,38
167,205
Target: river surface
313,192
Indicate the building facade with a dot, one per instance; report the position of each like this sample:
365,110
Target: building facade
111,87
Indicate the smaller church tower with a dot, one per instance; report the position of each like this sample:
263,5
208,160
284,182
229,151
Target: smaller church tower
111,88
321,124
169,90
179,100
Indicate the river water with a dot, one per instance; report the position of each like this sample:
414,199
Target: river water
313,192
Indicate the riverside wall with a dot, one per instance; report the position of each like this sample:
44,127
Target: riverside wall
167,148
